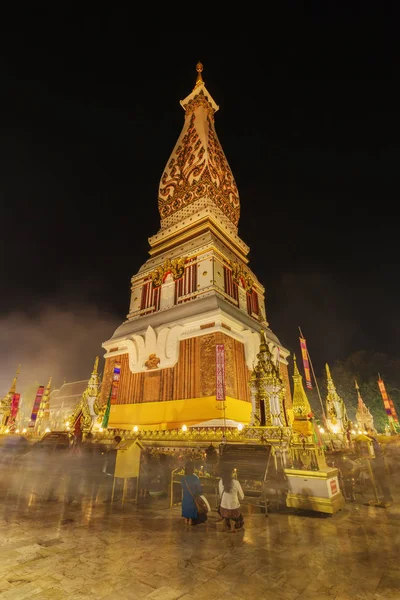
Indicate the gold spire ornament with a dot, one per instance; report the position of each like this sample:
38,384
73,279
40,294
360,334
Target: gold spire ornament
267,388
14,383
199,79
364,418
44,409
88,408
301,405
5,403
335,407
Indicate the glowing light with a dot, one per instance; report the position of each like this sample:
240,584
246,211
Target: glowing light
322,430
240,427
184,427
136,428
334,428
47,430
353,431
100,429
68,427
17,431
24,430
7,430
67,423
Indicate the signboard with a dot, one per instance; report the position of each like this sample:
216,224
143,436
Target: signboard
36,405
334,487
220,372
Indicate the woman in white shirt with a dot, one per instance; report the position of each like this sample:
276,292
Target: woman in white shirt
230,493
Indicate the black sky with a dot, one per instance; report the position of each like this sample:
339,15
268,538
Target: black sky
308,120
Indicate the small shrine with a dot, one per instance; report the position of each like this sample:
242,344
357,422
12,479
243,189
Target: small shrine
313,485
365,420
337,419
267,390
43,417
7,418
88,412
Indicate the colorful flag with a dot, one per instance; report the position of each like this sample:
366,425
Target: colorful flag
304,354
115,382
13,411
387,402
36,405
113,395
106,417
220,372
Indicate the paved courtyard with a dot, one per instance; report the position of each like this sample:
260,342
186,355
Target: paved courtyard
49,550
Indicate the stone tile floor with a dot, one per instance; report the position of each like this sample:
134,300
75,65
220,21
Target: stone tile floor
51,551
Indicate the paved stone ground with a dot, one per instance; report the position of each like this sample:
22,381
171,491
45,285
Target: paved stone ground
55,551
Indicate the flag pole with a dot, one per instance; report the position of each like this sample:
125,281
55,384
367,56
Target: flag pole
316,382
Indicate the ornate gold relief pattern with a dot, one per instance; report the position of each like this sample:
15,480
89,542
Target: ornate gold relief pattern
239,273
195,172
200,100
207,365
152,362
176,266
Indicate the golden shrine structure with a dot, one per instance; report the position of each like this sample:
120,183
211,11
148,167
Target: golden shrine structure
195,292
6,406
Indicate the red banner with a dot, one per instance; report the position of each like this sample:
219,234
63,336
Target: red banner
13,410
220,372
36,405
15,405
387,402
115,382
304,354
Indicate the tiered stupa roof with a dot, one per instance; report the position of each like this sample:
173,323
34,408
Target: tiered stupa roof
197,173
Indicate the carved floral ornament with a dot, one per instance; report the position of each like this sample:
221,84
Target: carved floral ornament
152,362
200,100
195,171
176,266
239,273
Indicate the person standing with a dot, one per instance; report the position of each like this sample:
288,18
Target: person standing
191,487
230,493
379,468
109,470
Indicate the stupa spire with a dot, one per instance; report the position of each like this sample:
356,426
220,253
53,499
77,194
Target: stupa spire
95,366
14,383
363,415
197,175
301,405
335,407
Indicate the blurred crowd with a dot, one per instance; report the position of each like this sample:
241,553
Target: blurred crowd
64,468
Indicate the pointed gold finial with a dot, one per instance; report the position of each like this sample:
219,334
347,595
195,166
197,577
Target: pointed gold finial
328,373
301,406
356,385
263,342
48,385
199,79
295,368
14,383
95,366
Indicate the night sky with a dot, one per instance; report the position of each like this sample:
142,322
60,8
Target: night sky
89,115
